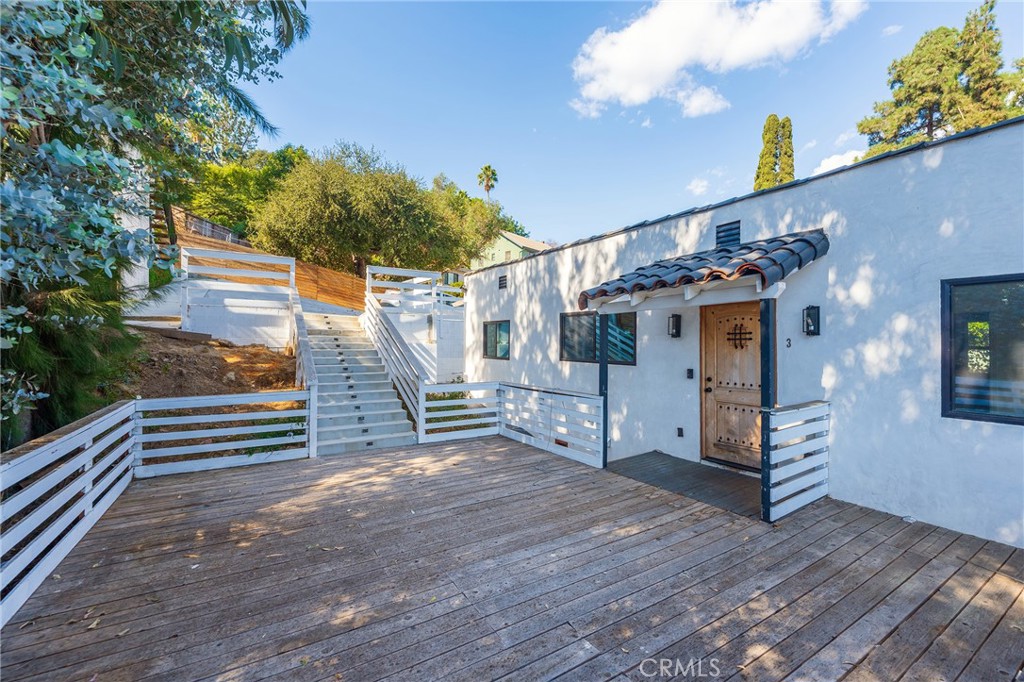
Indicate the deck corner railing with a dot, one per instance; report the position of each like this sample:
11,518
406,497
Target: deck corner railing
794,457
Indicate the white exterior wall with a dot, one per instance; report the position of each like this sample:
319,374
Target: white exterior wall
897,227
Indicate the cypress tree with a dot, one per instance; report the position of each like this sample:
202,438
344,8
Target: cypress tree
786,170
768,163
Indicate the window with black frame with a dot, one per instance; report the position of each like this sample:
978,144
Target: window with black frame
983,348
578,338
496,340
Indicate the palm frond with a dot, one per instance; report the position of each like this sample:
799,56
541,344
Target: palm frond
240,101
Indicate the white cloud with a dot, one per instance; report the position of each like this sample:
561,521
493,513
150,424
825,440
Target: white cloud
810,145
647,123
652,57
837,161
698,186
845,137
701,101
891,30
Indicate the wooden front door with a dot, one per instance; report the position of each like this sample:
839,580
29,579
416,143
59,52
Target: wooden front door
730,343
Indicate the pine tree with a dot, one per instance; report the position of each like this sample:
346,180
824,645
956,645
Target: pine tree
786,170
949,82
768,163
979,52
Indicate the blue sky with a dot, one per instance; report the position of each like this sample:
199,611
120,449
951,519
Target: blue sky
597,115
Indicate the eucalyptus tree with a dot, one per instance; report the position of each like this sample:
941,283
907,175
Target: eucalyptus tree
97,98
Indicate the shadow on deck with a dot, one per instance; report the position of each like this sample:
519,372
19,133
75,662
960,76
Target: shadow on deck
486,559
720,488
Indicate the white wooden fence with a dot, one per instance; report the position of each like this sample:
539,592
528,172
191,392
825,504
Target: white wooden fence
54,491
414,291
458,411
565,423
794,468
178,435
245,298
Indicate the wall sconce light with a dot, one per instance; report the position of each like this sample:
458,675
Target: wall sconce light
812,320
675,326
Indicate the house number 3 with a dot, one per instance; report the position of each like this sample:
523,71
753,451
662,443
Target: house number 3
789,343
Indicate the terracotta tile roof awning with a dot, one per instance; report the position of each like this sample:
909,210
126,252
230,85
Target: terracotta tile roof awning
770,259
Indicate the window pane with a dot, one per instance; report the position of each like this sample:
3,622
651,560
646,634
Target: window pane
490,340
622,338
496,339
988,348
502,329
579,338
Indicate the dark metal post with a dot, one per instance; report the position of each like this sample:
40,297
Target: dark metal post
602,381
768,397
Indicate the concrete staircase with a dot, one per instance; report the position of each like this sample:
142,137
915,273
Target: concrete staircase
358,407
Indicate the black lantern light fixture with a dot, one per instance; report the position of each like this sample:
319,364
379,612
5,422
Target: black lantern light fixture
675,326
812,320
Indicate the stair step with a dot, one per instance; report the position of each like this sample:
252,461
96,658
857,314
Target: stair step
331,408
347,352
329,385
364,430
327,364
328,331
341,360
347,445
330,397
357,418
327,343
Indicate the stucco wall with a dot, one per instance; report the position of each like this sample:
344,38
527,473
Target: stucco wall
897,227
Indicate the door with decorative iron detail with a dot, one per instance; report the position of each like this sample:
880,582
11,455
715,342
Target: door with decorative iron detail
731,376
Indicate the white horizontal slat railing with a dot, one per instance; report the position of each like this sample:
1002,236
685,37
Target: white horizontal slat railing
54,490
794,457
178,435
457,411
564,423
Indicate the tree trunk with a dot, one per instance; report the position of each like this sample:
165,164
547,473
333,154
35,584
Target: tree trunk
360,266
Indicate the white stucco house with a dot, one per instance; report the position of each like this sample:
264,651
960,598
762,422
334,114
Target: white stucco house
892,291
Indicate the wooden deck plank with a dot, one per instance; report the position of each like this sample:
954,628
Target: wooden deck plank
488,559
1001,657
950,652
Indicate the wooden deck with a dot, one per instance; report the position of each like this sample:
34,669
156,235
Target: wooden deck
717,487
487,559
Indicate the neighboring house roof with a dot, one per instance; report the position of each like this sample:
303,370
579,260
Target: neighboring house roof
770,259
778,188
525,242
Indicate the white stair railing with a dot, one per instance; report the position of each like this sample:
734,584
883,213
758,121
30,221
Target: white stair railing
398,358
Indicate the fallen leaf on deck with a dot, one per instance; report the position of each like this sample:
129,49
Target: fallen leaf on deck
26,624
124,632
153,600
95,624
